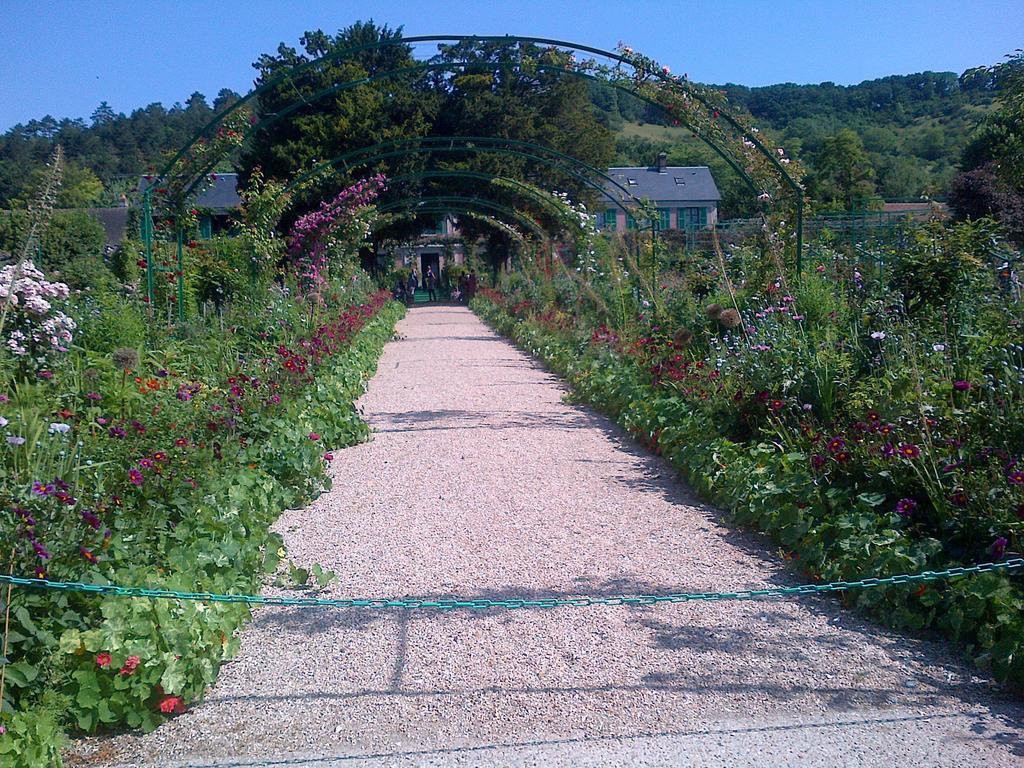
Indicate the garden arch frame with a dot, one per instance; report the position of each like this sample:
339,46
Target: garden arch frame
680,95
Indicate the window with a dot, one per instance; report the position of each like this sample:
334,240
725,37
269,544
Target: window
631,182
437,228
630,221
663,219
610,222
680,181
693,218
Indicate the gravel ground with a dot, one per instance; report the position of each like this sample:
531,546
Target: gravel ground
480,481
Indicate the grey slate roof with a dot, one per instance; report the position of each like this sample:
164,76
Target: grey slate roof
680,184
114,221
219,193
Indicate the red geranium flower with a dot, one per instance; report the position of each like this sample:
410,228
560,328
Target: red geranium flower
130,665
103,660
172,705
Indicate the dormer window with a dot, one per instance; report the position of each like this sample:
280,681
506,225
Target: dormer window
680,181
631,182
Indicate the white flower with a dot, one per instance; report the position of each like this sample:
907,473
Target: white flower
3,422
58,428
878,335
939,347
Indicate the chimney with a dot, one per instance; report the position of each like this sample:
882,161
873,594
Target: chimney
661,162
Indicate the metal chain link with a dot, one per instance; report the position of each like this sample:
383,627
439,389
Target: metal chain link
447,604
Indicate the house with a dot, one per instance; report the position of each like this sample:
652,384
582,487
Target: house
437,247
686,196
217,201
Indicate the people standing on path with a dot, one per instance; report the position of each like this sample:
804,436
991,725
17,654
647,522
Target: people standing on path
398,292
430,281
471,287
414,283
463,287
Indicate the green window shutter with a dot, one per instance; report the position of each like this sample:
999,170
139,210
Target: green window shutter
663,219
703,216
205,227
611,217
630,221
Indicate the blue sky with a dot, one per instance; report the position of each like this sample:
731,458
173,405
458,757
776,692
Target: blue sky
63,57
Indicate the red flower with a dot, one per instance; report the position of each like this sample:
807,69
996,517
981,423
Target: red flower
172,705
959,498
130,665
103,660
776,405
314,436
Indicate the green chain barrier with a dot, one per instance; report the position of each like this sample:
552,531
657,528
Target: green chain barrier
446,604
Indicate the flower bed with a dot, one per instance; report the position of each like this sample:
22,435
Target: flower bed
165,471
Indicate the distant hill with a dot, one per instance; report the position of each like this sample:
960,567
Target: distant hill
914,127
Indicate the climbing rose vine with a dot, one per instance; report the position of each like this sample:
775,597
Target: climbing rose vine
338,221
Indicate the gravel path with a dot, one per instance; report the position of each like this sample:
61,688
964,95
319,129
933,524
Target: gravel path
480,481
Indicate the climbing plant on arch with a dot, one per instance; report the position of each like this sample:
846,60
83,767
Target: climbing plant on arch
770,174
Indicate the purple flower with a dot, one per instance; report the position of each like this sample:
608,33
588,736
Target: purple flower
41,552
135,477
1015,477
93,396
909,450
15,440
42,490
818,461
961,386
89,518
998,548
117,432
836,444
906,507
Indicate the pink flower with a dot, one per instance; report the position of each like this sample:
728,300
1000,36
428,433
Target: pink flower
103,660
130,665
328,457
314,436
135,477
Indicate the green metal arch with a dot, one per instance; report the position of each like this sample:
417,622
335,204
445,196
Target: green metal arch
450,202
337,88
488,144
408,41
543,198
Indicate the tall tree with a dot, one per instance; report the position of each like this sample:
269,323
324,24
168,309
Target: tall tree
843,177
992,182
319,124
